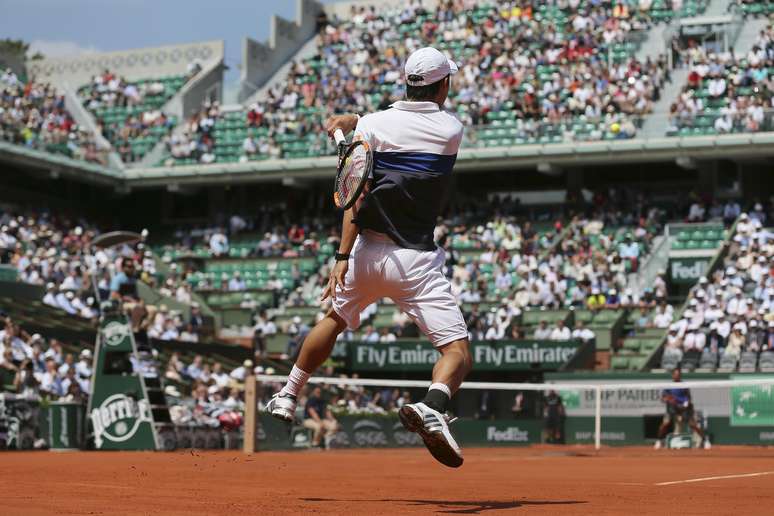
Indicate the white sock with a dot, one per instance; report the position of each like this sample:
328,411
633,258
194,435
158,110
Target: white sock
296,381
441,387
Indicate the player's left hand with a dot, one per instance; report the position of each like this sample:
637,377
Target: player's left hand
336,278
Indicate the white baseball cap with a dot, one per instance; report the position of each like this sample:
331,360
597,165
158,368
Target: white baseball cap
430,64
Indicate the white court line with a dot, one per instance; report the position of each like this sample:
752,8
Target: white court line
723,477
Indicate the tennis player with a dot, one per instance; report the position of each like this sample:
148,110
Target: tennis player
387,247
679,408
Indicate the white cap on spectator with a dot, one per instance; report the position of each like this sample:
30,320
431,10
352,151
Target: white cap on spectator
430,64
86,353
730,271
171,390
743,216
36,337
247,363
258,370
703,280
270,370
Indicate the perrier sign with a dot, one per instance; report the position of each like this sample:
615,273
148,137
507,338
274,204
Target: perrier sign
119,413
487,356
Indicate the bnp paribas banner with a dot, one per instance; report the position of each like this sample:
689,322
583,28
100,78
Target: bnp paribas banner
639,400
487,356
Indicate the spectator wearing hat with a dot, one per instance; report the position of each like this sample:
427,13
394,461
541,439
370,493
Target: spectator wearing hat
674,341
737,340
83,366
50,297
240,373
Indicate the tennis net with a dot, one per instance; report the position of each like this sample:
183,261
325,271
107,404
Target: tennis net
735,410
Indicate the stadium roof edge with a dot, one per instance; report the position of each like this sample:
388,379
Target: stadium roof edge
732,146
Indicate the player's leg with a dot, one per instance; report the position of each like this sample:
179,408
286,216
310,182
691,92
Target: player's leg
662,430
455,363
359,290
425,295
315,349
694,425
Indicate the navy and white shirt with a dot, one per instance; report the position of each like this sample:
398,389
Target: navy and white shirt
415,146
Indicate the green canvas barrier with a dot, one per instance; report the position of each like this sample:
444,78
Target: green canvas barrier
66,425
386,431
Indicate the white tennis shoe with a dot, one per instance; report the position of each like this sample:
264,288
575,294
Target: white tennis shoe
283,407
433,428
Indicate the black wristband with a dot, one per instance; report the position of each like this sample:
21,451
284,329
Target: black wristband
340,257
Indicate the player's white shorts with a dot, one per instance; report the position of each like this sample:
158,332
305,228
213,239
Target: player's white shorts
413,279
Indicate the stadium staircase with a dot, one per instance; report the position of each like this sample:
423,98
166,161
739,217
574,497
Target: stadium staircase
749,34
179,107
279,77
655,123
85,119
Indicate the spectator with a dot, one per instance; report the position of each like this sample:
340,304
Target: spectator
543,332
560,331
319,418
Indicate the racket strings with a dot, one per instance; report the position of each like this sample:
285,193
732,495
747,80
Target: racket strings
352,171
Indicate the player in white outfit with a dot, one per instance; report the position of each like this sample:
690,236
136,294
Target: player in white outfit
387,247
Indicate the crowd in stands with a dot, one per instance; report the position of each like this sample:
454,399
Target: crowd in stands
33,366
56,252
726,93
730,313
129,113
33,114
528,70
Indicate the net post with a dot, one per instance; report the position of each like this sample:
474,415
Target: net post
597,417
248,442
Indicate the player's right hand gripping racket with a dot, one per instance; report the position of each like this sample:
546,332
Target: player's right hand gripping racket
353,171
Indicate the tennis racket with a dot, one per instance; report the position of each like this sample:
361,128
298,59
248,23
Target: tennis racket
353,171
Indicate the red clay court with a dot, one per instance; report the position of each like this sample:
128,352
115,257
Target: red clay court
536,480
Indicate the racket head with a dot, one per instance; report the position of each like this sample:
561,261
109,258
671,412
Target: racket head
352,173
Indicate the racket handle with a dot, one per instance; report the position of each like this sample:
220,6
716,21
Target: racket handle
338,135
